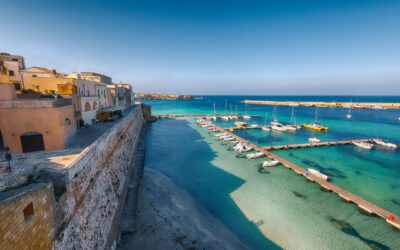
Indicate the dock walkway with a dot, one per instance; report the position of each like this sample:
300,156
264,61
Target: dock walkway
315,144
345,195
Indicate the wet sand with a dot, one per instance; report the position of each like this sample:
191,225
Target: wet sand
168,218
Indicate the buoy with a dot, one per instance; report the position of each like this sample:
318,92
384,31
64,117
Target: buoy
391,217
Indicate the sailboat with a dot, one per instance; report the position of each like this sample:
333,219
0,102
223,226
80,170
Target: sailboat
293,125
226,117
265,127
349,116
247,117
274,119
315,126
214,117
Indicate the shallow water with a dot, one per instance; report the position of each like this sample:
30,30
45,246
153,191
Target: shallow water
260,208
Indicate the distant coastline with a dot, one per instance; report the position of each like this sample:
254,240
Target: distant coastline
153,96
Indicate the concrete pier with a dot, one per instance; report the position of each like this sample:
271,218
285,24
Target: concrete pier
315,144
345,195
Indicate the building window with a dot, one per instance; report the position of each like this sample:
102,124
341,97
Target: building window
28,212
94,105
17,86
88,93
34,75
14,60
98,93
11,73
87,106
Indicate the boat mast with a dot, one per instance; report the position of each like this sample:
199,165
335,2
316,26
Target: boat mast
316,114
236,111
266,113
245,109
214,107
226,105
292,117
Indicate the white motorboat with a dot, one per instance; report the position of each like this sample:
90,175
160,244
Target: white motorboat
205,125
228,139
294,104
316,173
364,145
290,128
269,163
254,155
385,144
254,125
349,115
266,128
279,127
225,118
219,135
240,147
314,140
247,117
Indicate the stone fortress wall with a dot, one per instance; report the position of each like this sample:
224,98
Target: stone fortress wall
84,209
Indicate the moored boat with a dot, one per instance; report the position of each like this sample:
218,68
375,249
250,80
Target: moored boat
314,140
279,127
254,155
269,163
316,173
364,145
315,126
385,144
265,128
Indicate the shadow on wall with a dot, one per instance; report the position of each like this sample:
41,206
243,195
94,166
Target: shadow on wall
179,151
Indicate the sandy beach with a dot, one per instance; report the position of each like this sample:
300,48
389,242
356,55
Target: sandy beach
168,218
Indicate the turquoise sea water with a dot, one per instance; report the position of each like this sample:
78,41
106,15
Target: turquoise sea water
279,206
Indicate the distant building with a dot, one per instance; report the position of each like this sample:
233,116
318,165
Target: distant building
28,125
10,67
96,77
121,94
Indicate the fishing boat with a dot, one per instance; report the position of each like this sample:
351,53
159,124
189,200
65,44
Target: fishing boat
254,155
269,163
315,126
364,145
316,173
385,144
314,140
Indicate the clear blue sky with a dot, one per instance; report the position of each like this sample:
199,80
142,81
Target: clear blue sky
215,47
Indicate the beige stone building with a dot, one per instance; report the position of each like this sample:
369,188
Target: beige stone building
28,125
10,67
